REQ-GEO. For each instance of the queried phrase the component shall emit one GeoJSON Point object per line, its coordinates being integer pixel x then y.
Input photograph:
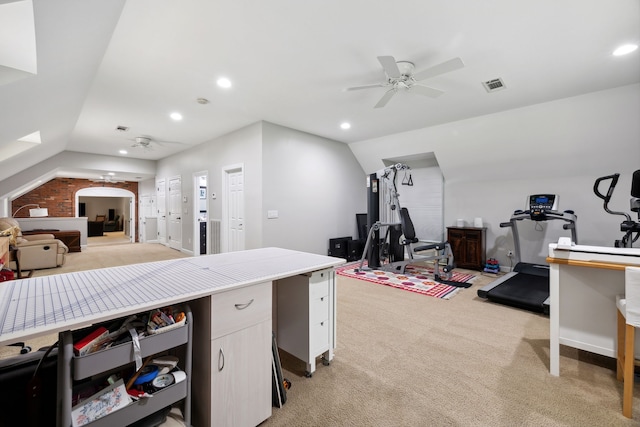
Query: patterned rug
{"type": "Point", "coordinates": [417, 279]}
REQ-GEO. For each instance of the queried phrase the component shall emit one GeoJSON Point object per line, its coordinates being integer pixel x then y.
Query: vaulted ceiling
{"type": "Point", "coordinates": [102, 65]}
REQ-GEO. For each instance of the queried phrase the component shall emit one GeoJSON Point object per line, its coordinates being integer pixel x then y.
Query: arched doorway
{"type": "Point", "coordinates": [128, 214]}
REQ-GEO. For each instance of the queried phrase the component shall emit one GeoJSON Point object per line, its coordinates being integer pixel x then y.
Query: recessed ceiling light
{"type": "Point", "coordinates": [123, 151]}
{"type": "Point", "coordinates": [176, 116]}
{"type": "Point", "coordinates": [625, 49]}
{"type": "Point", "coordinates": [224, 82]}
{"type": "Point", "coordinates": [345, 125]}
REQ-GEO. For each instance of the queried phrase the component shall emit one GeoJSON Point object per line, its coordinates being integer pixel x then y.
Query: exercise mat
{"type": "Point", "coordinates": [416, 278]}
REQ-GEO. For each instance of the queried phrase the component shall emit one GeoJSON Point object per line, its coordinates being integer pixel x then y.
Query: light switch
{"type": "Point", "coordinates": [272, 214]}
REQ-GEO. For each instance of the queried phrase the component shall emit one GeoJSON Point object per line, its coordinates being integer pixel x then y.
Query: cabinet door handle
{"type": "Point", "coordinates": [321, 298]}
{"type": "Point", "coordinates": [220, 360]}
{"type": "Point", "coordinates": [243, 306]}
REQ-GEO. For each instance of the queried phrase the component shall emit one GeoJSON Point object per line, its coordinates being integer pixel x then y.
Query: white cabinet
{"type": "Point", "coordinates": [233, 357]}
{"type": "Point", "coordinates": [306, 316]}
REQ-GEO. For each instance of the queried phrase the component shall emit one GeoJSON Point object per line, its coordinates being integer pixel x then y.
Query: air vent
{"type": "Point", "coordinates": [122, 128]}
{"type": "Point", "coordinates": [494, 85]}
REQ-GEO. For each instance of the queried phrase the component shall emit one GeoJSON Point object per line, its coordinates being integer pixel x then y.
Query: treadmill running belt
{"type": "Point", "coordinates": [523, 291]}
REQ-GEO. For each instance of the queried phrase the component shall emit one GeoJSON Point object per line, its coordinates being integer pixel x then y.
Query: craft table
{"type": "Point", "coordinates": [583, 283]}
{"type": "Point", "coordinates": [44, 305]}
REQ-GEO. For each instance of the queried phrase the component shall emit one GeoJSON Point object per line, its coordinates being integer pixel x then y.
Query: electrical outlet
{"type": "Point", "coordinates": [509, 253]}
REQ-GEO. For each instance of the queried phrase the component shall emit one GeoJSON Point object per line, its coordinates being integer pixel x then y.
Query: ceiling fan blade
{"type": "Point", "coordinates": [426, 91]}
{"type": "Point", "coordinates": [436, 70]}
{"type": "Point", "coordinates": [385, 98]}
{"type": "Point", "coordinates": [364, 87]}
{"type": "Point", "coordinates": [390, 66]}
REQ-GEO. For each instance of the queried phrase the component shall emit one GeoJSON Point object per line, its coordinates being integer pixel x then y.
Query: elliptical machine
{"type": "Point", "coordinates": [628, 226]}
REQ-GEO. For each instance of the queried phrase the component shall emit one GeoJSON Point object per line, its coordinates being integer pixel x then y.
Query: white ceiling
{"type": "Point", "coordinates": [103, 64]}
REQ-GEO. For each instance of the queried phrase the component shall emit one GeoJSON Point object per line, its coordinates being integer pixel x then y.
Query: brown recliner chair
{"type": "Point", "coordinates": [36, 251]}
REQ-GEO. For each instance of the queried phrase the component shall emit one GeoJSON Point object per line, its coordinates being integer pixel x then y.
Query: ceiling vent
{"type": "Point", "coordinates": [494, 85]}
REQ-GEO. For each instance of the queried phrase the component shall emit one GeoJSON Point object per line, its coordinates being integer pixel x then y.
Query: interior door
{"type": "Point", "coordinates": [161, 200]}
{"type": "Point", "coordinates": [235, 210]}
{"type": "Point", "coordinates": [175, 213]}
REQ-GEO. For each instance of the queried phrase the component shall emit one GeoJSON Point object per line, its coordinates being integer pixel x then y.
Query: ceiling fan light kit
{"type": "Point", "coordinates": [402, 75]}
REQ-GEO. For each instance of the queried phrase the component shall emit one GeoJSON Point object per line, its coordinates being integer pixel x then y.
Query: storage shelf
{"type": "Point", "coordinates": [95, 363]}
{"type": "Point", "coordinates": [73, 368]}
{"type": "Point", "coordinates": [143, 407]}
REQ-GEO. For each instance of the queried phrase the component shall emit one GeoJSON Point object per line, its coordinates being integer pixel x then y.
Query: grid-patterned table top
{"type": "Point", "coordinates": [41, 305]}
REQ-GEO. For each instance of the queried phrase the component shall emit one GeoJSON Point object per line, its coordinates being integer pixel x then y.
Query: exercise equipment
{"type": "Point", "coordinates": [388, 253]}
{"type": "Point", "coordinates": [628, 226]}
{"type": "Point", "coordinates": [527, 285]}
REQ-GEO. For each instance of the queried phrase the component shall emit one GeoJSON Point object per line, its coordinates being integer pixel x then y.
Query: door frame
{"type": "Point", "coordinates": [112, 192]}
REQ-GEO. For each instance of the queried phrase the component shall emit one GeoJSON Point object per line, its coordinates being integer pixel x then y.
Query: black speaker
{"type": "Point", "coordinates": [82, 209]}
{"type": "Point", "coordinates": [338, 247]}
{"type": "Point", "coordinates": [112, 214]}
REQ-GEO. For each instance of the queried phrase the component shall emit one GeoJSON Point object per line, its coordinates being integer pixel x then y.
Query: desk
{"type": "Point", "coordinates": [43, 305]}
{"type": "Point", "coordinates": [583, 284]}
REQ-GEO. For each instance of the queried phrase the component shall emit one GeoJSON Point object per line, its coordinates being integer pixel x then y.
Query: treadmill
{"type": "Point", "coordinates": [527, 285]}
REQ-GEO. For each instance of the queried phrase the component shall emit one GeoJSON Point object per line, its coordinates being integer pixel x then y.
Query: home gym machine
{"type": "Point", "coordinates": [527, 285]}
{"type": "Point", "coordinates": [388, 253]}
{"type": "Point", "coordinates": [628, 226]}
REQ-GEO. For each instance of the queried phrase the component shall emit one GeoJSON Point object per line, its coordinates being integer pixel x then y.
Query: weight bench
{"type": "Point", "coordinates": [442, 249]}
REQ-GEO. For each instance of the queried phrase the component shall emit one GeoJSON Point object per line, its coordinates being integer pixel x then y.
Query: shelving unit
{"type": "Point", "coordinates": [73, 368]}
{"type": "Point", "coordinates": [306, 317]}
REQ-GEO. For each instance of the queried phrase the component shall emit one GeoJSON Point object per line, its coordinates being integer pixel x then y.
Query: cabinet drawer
{"type": "Point", "coordinates": [319, 309]}
{"type": "Point", "coordinates": [319, 338]}
{"type": "Point", "coordinates": [319, 285]}
{"type": "Point", "coordinates": [239, 308]}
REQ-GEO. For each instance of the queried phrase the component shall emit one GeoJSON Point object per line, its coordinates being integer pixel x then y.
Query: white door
{"type": "Point", "coordinates": [235, 209]}
{"type": "Point", "coordinates": [161, 200]}
{"type": "Point", "coordinates": [175, 213]}
{"type": "Point", "coordinates": [147, 219]}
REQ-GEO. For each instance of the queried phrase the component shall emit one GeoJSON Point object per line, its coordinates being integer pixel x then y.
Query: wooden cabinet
{"type": "Point", "coordinates": [233, 357]}
{"type": "Point", "coordinates": [306, 317]}
{"type": "Point", "coordinates": [468, 246]}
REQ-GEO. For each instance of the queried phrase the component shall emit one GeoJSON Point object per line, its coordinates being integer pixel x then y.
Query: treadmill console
{"type": "Point", "coordinates": [539, 204]}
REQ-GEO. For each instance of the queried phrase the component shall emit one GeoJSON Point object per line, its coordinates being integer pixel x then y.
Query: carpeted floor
{"type": "Point", "coordinates": [406, 360]}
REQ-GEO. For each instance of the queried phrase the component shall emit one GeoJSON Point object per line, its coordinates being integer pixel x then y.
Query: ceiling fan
{"type": "Point", "coordinates": [402, 75]}
{"type": "Point", "coordinates": [147, 143]}
{"type": "Point", "coordinates": [107, 179]}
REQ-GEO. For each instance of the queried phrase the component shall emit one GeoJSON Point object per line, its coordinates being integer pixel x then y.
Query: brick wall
{"type": "Point", "coordinates": [59, 196]}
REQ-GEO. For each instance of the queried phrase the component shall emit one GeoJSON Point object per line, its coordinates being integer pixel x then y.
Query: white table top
{"type": "Point", "coordinates": [43, 305]}
{"type": "Point", "coordinates": [586, 253]}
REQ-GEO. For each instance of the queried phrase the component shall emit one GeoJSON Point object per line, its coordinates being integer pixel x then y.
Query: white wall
{"type": "Point", "coordinates": [242, 146]}
{"type": "Point", "coordinates": [491, 163]}
{"type": "Point", "coordinates": [315, 184]}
